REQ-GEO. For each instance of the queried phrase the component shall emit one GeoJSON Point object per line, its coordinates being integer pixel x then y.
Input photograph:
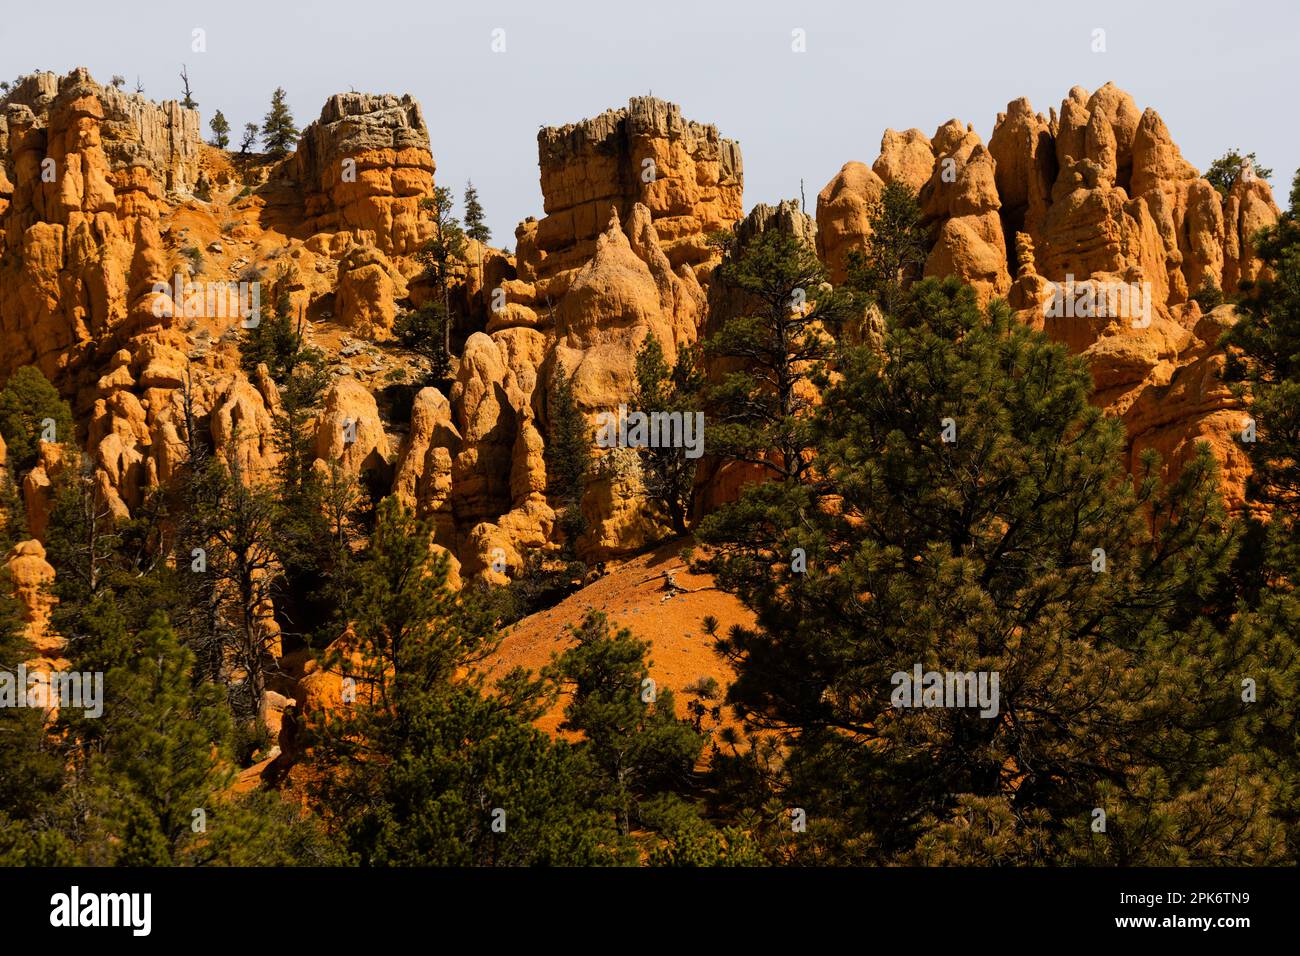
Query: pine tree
{"type": "Point", "coordinates": [197, 486]}
{"type": "Point", "coordinates": [318, 510]}
{"type": "Point", "coordinates": [1224, 171]}
{"type": "Point", "coordinates": [896, 250]}
{"type": "Point", "coordinates": [567, 455]}
{"type": "Point", "coordinates": [159, 763]}
{"type": "Point", "coordinates": [770, 353]}
{"type": "Point", "coordinates": [81, 542]}
{"type": "Point", "coordinates": [31, 771]}
{"type": "Point", "coordinates": [1263, 358]}
{"type": "Point", "coordinates": [1269, 338]}
{"type": "Point", "coordinates": [1209, 296]}
{"type": "Point", "coordinates": [303, 549]}
{"type": "Point", "coordinates": [425, 331]}
{"type": "Point", "coordinates": [346, 513]}
{"type": "Point", "coordinates": [279, 135]}
{"type": "Point", "coordinates": [302, 376]}
{"type": "Point", "coordinates": [187, 99]}
{"type": "Point", "coordinates": [970, 513]}
{"type": "Point", "coordinates": [220, 130]}
{"type": "Point", "coordinates": [31, 411]}
{"type": "Point", "coordinates": [279, 342]}
{"type": "Point", "coordinates": [241, 522]}
{"type": "Point", "coordinates": [667, 472]}
{"type": "Point", "coordinates": [157, 782]}
{"type": "Point", "coordinates": [686, 838]}
{"type": "Point", "coordinates": [464, 781]}
{"type": "Point", "coordinates": [13, 512]}
{"type": "Point", "coordinates": [441, 256]}
{"type": "Point", "coordinates": [630, 729]}
{"type": "Point", "coordinates": [475, 227]}
{"type": "Point", "coordinates": [406, 623]}
{"type": "Point", "coordinates": [251, 131]}
{"type": "Point", "coordinates": [422, 769]}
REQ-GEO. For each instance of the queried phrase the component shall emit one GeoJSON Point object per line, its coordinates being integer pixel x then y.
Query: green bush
{"type": "Point", "coordinates": [31, 409]}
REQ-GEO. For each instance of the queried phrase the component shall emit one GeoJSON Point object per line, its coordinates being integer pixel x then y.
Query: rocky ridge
{"type": "Point", "coordinates": [1098, 191]}
{"type": "Point", "coordinates": [1096, 197]}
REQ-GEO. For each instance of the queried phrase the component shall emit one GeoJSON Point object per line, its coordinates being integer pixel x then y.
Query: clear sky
{"type": "Point", "coordinates": [1221, 74]}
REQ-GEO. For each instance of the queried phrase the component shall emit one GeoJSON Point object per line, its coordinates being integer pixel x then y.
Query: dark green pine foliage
{"type": "Point", "coordinates": [445, 250]}
{"type": "Point", "coordinates": [220, 127]}
{"type": "Point", "coordinates": [567, 455]}
{"type": "Point", "coordinates": [426, 330]}
{"type": "Point", "coordinates": [278, 341]}
{"type": "Point", "coordinates": [424, 769]}
{"type": "Point", "coordinates": [333, 516]}
{"type": "Point", "coordinates": [313, 507]}
{"type": "Point", "coordinates": [1209, 296]}
{"type": "Point", "coordinates": [82, 542]}
{"type": "Point", "coordinates": [1225, 171]}
{"type": "Point", "coordinates": [668, 473]}
{"type": "Point", "coordinates": [158, 765]}
{"type": "Point", "coordinates": [1265, 358]}
{"type": "Point", "coordinates": [1269, 339]}
{"type": "Point", "coordinates": [895, 252]}
{"type": "Point", "coordinates": [242, 519]}
{"type": "Point", "coordinates": [765, 357]}
{"type": "Point", "coordinates": [251, 131]}
{"type": "Point", "coordinates": [475, 226]}
{"type": "Point", "coordinates": [30, 410]}
{"type": "Point", "coordinates": [13, 512]}
{"type": "Point", "coordinates": [162, 747]}
{"type": "Point", "coordinates": [1119, 687]}
{"type": "Point", "coordinates": [630, 729]}
{"type": "Point", "coordinates": [305, 544]}
{"type": "Point", "coordinates": [156, 781]}
{"type": "Point", "coordinates": [31, 768]}
{"type": "Point", "coordinates": [279, 134]}
{"type": "Point", "coordinates": [686, 838]}
{"type": "Point", "coordinates": [763, 366]}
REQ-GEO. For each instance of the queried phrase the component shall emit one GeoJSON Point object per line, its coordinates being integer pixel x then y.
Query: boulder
{"type": "Point", "coordinates": [349, 432]}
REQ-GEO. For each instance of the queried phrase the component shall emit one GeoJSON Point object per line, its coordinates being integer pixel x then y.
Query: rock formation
{"type": "Point", "coordinates": [622, 253]}
{"type": "Point", "coordinates": [1094, 202]}
{"type": "Point", "coordinates": [90, 168]}
{"type": "Point", "coordinates": [687, 177]}
{"type": "Point", "coordinates": [363, 167]}
{"type": "Point", "coordinates": [118, 223]}
{"type": "Point", "coordinates": [844, 210]}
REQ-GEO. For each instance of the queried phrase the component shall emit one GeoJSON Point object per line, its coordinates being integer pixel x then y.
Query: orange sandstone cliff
{"type": "Point", "coordinates": [106, 198]}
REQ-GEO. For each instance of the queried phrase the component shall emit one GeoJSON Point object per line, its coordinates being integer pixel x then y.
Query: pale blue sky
{"type": "Point", "coordinates": [1221, 74]}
